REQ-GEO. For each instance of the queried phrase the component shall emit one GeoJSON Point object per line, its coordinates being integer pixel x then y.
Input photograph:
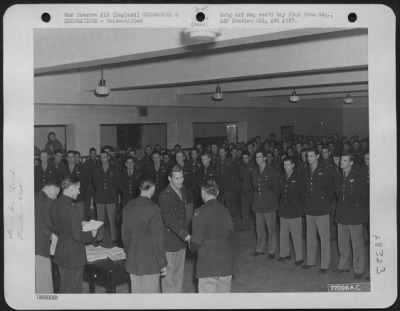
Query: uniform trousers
{"type": "Point", "coordinates": [189, 216]}
{"type": "Point", "coordinates": [268, 219]}
{"type": "Point", "coordinates": [71, 279]}
{"type": "Point", "coordinates": [172, 282]}
{"type": "Point", "coordinates": [230, 200]}
{"type": "Point", "coordinates": [320, 225]}
{"type": "Point", "coordinates": [111, 210]}
{"type": "Point", "coordinates": [216, 284]}
{"type": "Point", "coordinates": [149, 283]}
{"type": "Point", "coordinates": [245, 206]}
{"type": "Point", "coordinates": [291, 227]}
{"type": "Point", "coordinates": [43, 276]}
{"type": "Point", "coordinates": [351, 234]}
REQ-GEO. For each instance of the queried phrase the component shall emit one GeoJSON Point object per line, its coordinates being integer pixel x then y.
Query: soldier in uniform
{"type": "Point", "coordinates": [172, 202]}
{"type": "Point", "coordinates": [265, 204]}
{"type": "Point", "coordinates": [44, 172]}
{"type": "Point", "coordinates": [246, 190]}
{"type": "Point", "coordinates": [70, 255]}
{"type": "Point", "coordinates": [52, 144]}
{"type": "Point", "coordinates": [229, 182]}
{"type": "Point", "coordinates": [319, 194]}
{"type": "Point", "coordinates": [130, 178]}
{"type": "Point", "coordinates": [213, 239]}
{"type": "Point", "coordinates": [194, 165]}
{"type": "Point", "coordinates": [351, 190]}
{"type": "Point", "coordinates": [106, 185]}
{"type": "Point", "coordinates": [143, 239]}
{"type": "Point", "coordinates": [291, 211]}
{"type": "Point", "coordinates": [79, 172]}
{"type": "Point", "coordinates": [206, 171]}
{"type": "Point", "coordinates": [188, 182]}
{"type": "Point", "coordinates": [43, 230]}
{"type": "Point", "coordinates": [157, 171]}
{"type": "Point", "coordinates": [214, 154]}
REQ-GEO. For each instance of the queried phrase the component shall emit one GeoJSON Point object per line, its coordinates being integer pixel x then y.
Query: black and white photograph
{"type": "Point", "coordinates": [202, 149]}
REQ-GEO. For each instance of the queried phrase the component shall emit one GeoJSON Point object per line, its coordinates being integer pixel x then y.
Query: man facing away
{"type": "Point", "coordinates": [143, 239]}
{"type": "Point", "coordinates": [43, 230]}
{"type": "Point", "coordinates": [172, 202]}
{"type": "Point", "coordinates": [212, 237]}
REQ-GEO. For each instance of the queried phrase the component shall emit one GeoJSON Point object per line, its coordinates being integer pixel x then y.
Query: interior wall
{"type": "Point", "coordinates": [209, 129]}
{"type": "Point", "coordinates": [179, 121]}
{"type": "Point", "coordinates": [108, 135]}
{"type": "Point", "coordinates": [355, 122]}
{"type": "Point", "coordinates": [153, 134]}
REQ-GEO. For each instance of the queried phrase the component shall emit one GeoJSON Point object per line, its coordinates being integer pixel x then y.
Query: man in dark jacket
{"type": "Point", "coordinates": [319, 191]}
{"type": "Point", "coordinates": [70, 254]}
{"type": "Point", "coordinates": [43, 230]}
{"type": "Point", "coordinates": [246, 189]}
{"type": "Point", "coordinates": [143, 239]}
{"type": "Point", "coordinates": [291, 210]}
{"type": "Point", "coordinates": [44, 172]}
{"type": "Point", "coordinates": [172, 202]}
{"type": "Point", "coordinates": [265, 182]}
{"type": "Point", "coordinates": [130, 178]}
{"type": "Point", "coordinates": [52, 144]}
{"type": "Point", "coordinates": [157, 171]}
{"type": "Point", "coordinates": [212, 237]}
{"type": "Point", "coordinates": [106, 184]}
{"type": "Point", "coordinates": [352, 192]}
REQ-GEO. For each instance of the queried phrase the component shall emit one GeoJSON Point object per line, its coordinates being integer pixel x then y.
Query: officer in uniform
{"type": "Point", "coordinates": [79, 172]}
{"type": "Point", "coordinates": [172, 202]}
{"type": "Point", "coordinates": [246, 189]}
{"type": "Point", "coordinates": [143, 239]}
{"type": "Point", "coordinates": [214, 154]}
{"type": "Point", "coordinates": [351, 190]}
{"type": "Point", "coordinates": [319, 188]}
{"type": "Point", "coordinates": [291, 211]}
{"type": "Point", "coordinates": [44, 172]}
{"type": "Point", "coordinates": [194, 165]}
{"type": "Point", "coordinates": [106, 185]}
{"type": "Point", "coordinates": [213, 237]}
{"type": "Point", "coordinates": [130, 179]}
{"type": "Point", "coordinates": [157, 171]}
{"type": "Point", "coordinates": [229, 182]}
{"type": "Point", "coordinates": [265, 204]}
{"type": "Point", "coordinates": [205, 172]}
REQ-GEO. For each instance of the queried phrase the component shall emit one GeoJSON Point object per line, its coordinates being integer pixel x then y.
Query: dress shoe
{"type": "Point", "coordinates": [298, 262]}
{"type": "Point", "coordinates": [323, 270]}
{"type": "Point", "coordinates": [255, 254]}
{"type": "Point", "coordinates": [283, 258]}
{"type": "Point", "coordinates": [341, 270]}
{"type": "Point", "coordinates": [308, 266]}
{"type": "Point", "coordinates": [357, 275]}
{"type": "Point", "coordinates": [271, 256]}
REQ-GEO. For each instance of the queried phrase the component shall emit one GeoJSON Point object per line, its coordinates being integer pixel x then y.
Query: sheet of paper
{"type": "Point", "coordinates": [91, 225]}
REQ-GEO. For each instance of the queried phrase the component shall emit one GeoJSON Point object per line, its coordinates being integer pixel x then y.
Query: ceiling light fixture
{"type": "Point", "coordinates": [201, 34]}
{"type": "Point", "coordinates": [348, 99]}
{"type": "Point", "coordinates": [294, 98]}
{"type": "Point", "coordinates": [218, 95]}
{"type": "Point", "coordinates": [102, 90]}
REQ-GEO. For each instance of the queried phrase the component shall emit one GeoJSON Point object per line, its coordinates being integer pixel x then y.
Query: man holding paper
{"type": "Point", "coordinates": [70, 254]}
{"type": "Point", "coordinates": [143, 238]}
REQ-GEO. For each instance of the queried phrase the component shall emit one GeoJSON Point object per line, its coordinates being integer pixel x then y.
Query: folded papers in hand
{"type": "Point", "coordinates": [91, 225]}
{"type": "Point", "coordinates": [95, 253]}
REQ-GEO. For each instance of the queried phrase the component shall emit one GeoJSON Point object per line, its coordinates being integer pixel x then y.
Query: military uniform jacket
{"type": "Point", "coordinates": [173, 212]}
{"type": "Point", "coordinates": [143, 237]}
{"type": "Point", "coordinates": [291, 201]}
{"type": "Point", "coordinates": [319, 192]}
{"type": "Point", "coordinates": [228, 175]}
{"type": "Point", "coordinates": [364, 173]}
{"type": "Point", "coordinates": [189, 175]}
{"type": "Point", "coordinates": [80, 172]}
{"type": "Point", "coordinates": [266, 189]}
{"type": "Point", "coordinates": [212, 236]}
{"type": "Point", "coordinates": [43, 226]}
{"type": "Point", "coordinates": [43, 176]}
{"type": "Point", "coordinates": [351, 194]}
{"type": "Point", "coordinates": [129, 185]}
{"type": "Point", "coordinates": [246, 186]}
{"type": "Point", "coordinates": [160, 177]}
{"type": "Point", "coordinates": [105, 185]}
{"type": "Point", "coordinates": [67, 224]}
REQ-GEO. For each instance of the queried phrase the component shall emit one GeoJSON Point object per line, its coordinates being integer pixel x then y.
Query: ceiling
{"type": "Point", "coordinates": [161, 67]}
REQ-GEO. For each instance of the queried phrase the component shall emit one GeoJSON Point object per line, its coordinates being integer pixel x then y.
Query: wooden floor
{"type": "Point", "coordinates": [260, 274]}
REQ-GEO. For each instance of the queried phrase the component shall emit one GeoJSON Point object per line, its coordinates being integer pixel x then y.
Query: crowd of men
{"type": "Point", "coordinates": [320, 180]}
